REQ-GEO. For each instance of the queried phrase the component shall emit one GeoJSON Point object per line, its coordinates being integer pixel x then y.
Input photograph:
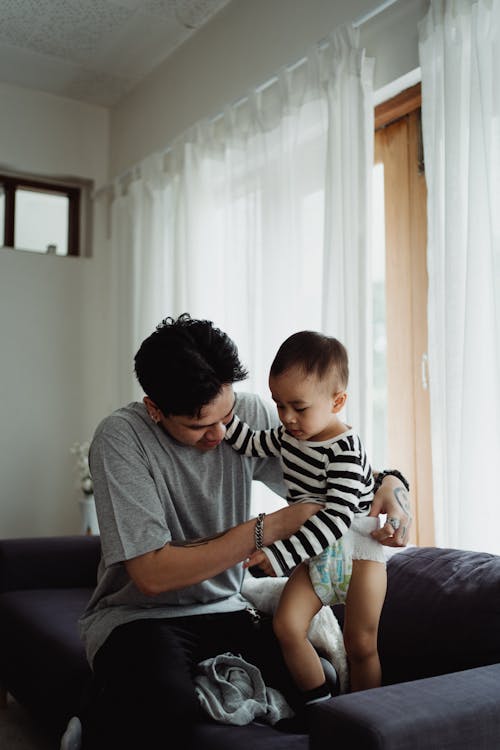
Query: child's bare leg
{"type": "Point", "coordinates": [364, 602]}
{"type": "Point", "coordinates": [297, 606]}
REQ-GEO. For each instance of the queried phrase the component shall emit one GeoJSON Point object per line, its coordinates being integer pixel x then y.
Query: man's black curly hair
{"type": "Point", "coordinates": [184, 363]}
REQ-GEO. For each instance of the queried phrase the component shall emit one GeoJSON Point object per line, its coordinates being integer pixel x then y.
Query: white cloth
{"type": "Point", "coordinates": [324, 632]}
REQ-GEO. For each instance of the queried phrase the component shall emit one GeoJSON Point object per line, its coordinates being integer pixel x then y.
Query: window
{"type": "Point", "coordinates": [379, 439]}
{"type": "Point", "coordinates": [43, 216]}
{"type": "Point", "coordinates": [398, 157]}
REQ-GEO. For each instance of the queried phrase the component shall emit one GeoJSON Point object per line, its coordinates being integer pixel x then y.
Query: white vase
{"type": "Point", "coordinates": [89, 517]}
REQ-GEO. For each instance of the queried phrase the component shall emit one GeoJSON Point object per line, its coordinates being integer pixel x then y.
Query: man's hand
{"type": "Point", "coordinates": [259, 559]}
{"type": "Point", "coordinates": [393, 499]}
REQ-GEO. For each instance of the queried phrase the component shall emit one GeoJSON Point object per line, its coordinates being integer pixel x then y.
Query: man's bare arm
{"type": "Point", "coordinates": [185, 563]}
{"type": "Point", "coordinates": [393, 499]}
{"type": "Point", "coordinates": [197, 542]}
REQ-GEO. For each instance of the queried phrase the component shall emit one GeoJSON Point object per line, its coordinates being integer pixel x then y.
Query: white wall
{"type": "Point", "coordinates": [50, 313]}
{"type": "Point", "coordinates": [242, 47]}
{"type": "Point", "coordinates": [56, 377]}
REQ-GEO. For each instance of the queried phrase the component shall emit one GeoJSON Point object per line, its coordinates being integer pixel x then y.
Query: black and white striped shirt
{"type": "Point", "coordinates": [335, 473]}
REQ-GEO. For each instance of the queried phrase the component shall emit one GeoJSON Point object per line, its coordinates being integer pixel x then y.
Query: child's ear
{"type": "Point", "coordinates": [339, 400]}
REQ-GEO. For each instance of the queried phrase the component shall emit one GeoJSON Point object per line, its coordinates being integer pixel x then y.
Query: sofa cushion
{"type": "Point", "coordinates": [441, 613]}
{"type": "Point", "coordinates": [49, 562]}
{"type": "Point", "coordinates": [249, 737]}
{"type": "Point", "coordinates": [42, 659]}
{"type": "Point", "coordinates": [458, 711]}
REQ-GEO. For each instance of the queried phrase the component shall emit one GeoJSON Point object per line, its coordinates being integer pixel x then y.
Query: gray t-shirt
{"type": "Point", "coordinates": [150, 489]}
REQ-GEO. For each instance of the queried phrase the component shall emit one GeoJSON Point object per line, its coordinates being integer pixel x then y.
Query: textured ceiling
{"type": "Point", "coordinates": [93, 50]}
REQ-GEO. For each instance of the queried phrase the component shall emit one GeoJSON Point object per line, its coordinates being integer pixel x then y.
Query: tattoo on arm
{"type": "Point", "coordinates": [199, 542]}
{"type": "Point", "coordinates": [403, 501]}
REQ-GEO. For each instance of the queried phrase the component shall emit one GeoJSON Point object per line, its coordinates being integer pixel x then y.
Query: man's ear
{"type": "Point", "coordinates": [339, 400]}
{"type": "Point", "coordinates": [153, 411]}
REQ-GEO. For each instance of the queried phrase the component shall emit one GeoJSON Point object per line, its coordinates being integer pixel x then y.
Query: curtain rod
{"type": "Point", "coordinates": [325, 41]}
{"type": "Point", "coordinates": [322, 43]}
{"type": "Point", "coordinates": [372, 13]}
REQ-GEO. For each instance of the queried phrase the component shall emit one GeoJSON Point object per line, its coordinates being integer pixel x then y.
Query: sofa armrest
{"type": "Point", "coordinates": [457, 711]}
{"type": "Point", "coordinates": [49, 562]}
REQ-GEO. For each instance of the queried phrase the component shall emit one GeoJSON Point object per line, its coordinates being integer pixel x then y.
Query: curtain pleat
{"type": "Point", "coordinates": [258, 220]}
{"type": "Point", "coordinates": [459, 44]}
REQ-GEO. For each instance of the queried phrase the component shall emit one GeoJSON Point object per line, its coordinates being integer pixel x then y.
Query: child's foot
{"type": "Point", "coordinates": [299, 724]}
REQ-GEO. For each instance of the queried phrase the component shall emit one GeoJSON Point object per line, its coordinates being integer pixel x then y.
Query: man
{"type": "Point", "coordinates": [173, 503]}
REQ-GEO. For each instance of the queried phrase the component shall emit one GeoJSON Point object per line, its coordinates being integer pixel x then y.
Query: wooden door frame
{"type": "Point", "coordinates": [398, 146]}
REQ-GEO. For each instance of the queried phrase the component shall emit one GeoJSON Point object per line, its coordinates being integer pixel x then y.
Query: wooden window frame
{"type": "Point", "coordinates": [73, 193]}
{"type": "Point", "coordinates": [406, 301]}
{"type": "Point", "coordinates": [398, 106]}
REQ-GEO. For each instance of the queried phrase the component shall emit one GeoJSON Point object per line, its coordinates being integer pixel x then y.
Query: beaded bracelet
{"type": "Point", "coordinates": [392, 473]}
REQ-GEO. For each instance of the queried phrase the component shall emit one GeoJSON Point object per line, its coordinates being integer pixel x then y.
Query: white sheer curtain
{"type": "Point", "coordinates": [460, 61]}
{"type": "Point", "coordinates": [257, 220]}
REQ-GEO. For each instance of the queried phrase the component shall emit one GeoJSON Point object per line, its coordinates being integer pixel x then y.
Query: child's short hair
{"type": "Point", "coordinates": [316, 354]}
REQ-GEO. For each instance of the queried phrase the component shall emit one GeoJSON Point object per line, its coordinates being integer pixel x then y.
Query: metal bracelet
{"type": "Point", "coordinates": [259, 531]}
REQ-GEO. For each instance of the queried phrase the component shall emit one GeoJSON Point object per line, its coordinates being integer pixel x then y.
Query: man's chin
{"type": "Point", "coordinates": [206, 446]}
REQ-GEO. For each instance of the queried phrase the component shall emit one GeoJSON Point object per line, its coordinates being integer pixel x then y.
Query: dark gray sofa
{"type": "Point", "coordinates": [439, 646]}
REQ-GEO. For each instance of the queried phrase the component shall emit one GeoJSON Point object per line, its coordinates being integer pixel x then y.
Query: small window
{"type": "Point", "coordinates": [42, 216]}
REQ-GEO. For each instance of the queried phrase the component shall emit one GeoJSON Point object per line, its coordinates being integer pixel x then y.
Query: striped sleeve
{"type": "Point", "coordinates": [349, 491]}
{"type": "Point", "coordinates": [256, 443]}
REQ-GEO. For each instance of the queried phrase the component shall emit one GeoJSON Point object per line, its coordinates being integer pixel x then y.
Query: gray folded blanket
{"type": "Point", "coordinates": [232, 691]}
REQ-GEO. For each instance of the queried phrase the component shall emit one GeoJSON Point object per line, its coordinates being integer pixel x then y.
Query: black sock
{"type": "Point", "coordinates": [317, 694]}
{"type": "Point", "coordinates": [299, 724]}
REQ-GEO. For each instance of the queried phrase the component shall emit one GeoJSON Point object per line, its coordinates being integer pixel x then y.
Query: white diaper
{"type": "Point", "coordinates": [331, 570]}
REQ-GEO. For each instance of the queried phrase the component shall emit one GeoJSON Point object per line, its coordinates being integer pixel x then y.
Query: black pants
{"type": "Point", "coordinates": [143, 677]}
